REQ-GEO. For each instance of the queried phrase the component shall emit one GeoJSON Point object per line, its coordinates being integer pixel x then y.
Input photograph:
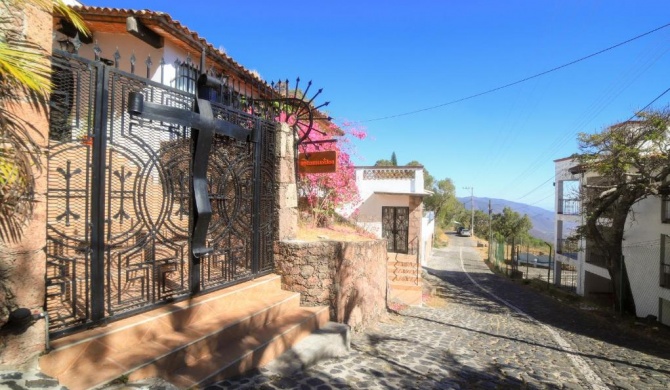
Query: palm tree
{"type": "Point", "coordinates": [24, 76]}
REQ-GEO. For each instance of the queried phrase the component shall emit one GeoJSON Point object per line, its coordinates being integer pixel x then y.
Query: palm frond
{"type": "Point", "coordinates": [21, 65]}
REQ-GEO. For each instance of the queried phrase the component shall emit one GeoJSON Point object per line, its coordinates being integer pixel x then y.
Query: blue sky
{"type": "Point", "coordinates": [377, 59]}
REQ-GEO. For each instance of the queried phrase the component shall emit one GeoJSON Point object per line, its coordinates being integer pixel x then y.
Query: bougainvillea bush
{"type": "Point", "coordinates": [321, 194]}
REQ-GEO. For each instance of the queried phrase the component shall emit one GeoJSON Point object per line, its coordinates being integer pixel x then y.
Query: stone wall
{"type": "Point", "coordinates": [349, 277]}
{"type": "Point", "coordinates": [23, 262]}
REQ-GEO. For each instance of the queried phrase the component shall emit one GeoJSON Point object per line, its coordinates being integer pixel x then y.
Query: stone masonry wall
{"type": "Point", "coordinates": [415, 219]}
{"type": "Point", "coordinates": [349, 277]}
{"type": "Point", "coordinates": [23, 263]}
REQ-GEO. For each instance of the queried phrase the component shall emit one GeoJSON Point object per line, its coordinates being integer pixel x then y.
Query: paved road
{"type": "Point", "coordinates": [487, 332]}
{"type": "Point", "coordinates": [484, 332]}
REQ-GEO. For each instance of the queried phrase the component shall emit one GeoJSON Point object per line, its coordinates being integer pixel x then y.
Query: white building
{"type": "Point", "coordinates": [391, 207]}
{"type": "Point", "coordinates": [646, 246]}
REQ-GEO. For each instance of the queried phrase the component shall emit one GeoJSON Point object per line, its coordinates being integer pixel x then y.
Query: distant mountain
{"type": "Point", "coordinates": [542, 219]}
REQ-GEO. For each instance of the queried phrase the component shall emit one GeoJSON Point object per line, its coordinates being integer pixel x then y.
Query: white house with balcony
{"type": "Point", "coordinates": [645, 248]}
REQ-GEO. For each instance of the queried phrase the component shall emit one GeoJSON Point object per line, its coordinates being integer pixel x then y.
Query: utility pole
{"type": "Point", "coordinates": [472, 208]}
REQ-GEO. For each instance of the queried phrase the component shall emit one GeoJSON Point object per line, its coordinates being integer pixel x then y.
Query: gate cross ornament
{"type": "Point", "coordinates": [203, 127]}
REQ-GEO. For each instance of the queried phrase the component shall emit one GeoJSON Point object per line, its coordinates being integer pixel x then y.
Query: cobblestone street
{"type": "Point", "coordinates": [486, 332]}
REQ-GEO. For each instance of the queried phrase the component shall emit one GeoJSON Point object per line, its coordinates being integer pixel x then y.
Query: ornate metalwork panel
{"type": "Point", "coordinates": [146, 199]}
{"type": "Point", "coordinates": [119, 199]}
{"type": "Point", "coordinates": [69, 192]}
{"type": "Point", "coordinates": [395, 228]}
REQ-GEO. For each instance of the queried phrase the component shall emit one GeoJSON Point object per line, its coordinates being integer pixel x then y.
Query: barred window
{"type": "Point", "coordinates": [665, 261]}
{"type": "Point", "coordinates": [187, 77]}
{"type": "Point", "coordinates": [665, 209]}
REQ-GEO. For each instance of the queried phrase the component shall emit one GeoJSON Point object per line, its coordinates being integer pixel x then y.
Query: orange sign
{"type": "Point", "coordinates": [318, 162]}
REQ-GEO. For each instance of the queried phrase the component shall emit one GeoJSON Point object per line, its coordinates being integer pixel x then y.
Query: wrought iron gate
{"type": "Point", "coordinates": [395, 228]}
{"type": "Point", "coordinates": [119, 199]}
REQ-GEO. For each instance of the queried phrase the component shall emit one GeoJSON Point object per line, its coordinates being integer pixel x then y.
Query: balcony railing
{"type": "Point", "coordinates": [665, 275]}
{"type": "Point", "coordinates": [567, 247]}
{"type": "Point", "coordinates": [568, 206]}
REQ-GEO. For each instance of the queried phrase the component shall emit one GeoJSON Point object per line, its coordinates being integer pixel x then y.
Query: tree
{"type": "Point", "coordinates": [394, 160]}
{"type": "Point", "coordinates": [481, 228]}
{"type": "Point", "coordinates": [443, 193]}
{"type": "Point", "coordinates": [383, 163]}
{"type": "Point", "coordinates": [632, 161]}
{"type": "Point", "coordinates": [510, 224]}
{"type": "Point", "coordinates": [24, 78]}
{"type": "Point", "coordinates": [428, 179]}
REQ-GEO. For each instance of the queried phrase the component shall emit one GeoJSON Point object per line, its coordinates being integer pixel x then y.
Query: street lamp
{"type": "Point", "coordinates": [472, 208]}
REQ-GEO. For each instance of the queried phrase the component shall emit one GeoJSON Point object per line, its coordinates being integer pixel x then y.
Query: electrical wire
{"type": "Point", "coordinates": [536, 188]}
{"type": "Point", "coordinates": [650, 103]}
{"type": "Point", "coordinates": [519, 81]}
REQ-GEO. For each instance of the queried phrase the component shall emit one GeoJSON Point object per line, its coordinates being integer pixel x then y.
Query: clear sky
{"type": "Point", "coordinates": [377, 59]}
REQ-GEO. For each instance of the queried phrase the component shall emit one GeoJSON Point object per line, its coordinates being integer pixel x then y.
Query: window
{"type": "Point", "coordinates": [665, 209]}
{"type": "Point", "coordinates": [187, 77]}
{"type": "Point", "coordinates": [665, 261]}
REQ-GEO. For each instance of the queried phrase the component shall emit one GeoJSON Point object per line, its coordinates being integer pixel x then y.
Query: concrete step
{"type": "Point", "coordinates": [236, 356]}
{"type": "Point", "coordinates": [402, 278]}
{"type": "Point", "coordinates": [405, 285]}
{"type": "Point", "coordinates": [402, 264]}
{"type": "Point", "coordinates": [333, 340]}
{"type": "Point", "coordinates": [161, 342]}
{"type": "Point", "coordinates": [397, 271]}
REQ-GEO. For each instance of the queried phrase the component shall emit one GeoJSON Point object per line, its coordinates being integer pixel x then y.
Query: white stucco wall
{"type": "Point", "coordinates": [367, 187]}
{"type": "Point", "coordinates": [427, 232]}
{"type": "Point", "coordinates": [642, 252]}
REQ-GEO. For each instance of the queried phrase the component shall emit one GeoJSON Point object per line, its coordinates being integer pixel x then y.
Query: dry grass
{"type": "Point", "coordinates": [482, 247]}
{"type": "Point", "coordinates": [336, 232]}
{"type": "Point", "coordinates": [441, 238]}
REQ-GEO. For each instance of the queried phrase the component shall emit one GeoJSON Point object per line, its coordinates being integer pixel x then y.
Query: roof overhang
{"type": "Point", "coordinates": [419, 194]}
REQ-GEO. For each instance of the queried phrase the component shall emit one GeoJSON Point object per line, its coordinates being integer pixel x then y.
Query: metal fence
{"type": "Point", "coordinates": [525, 262]}
{"type": "Point", "coordinates": [119, 199]}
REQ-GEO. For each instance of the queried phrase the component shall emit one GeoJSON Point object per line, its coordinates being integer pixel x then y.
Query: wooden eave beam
{"type": "Point", "coordinates": [71, 31]}
{"type": "Point", "coordinates": [145, 34]}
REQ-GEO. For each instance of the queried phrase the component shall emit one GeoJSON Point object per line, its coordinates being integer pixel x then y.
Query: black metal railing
{"type": "Point", "coordinates": [567, 247]}
{"type": "Point", "coordinates": [568, 206]}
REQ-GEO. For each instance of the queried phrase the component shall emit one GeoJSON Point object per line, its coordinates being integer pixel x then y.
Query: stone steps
{"type": "Point", "coordinates": [190, 342]}
{"type": "Point", "coordinates": [404, 279]}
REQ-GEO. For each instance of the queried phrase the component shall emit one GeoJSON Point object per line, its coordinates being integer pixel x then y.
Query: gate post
{"type": "Point", "coordinates": [23, 259]}
{"type": "Point", "coordinates": [98, 224]}
{"type": "Point", "coordinates": [287, 194]}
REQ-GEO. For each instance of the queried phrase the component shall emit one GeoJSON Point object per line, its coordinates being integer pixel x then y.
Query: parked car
{"type": "Point", "coordinates": [458, 229]}
{"type": "Point", "coordinates": [465, 233]}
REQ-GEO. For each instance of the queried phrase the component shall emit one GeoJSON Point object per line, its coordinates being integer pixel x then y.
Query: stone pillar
{"type": "Point", "coordinates": [23, 263]}
{"type": "Point", "coordinates": [415, 216]}
{"type": "Point", "coordinates": [287, 196]}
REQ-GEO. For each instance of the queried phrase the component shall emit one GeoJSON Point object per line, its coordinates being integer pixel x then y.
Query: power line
{"type": "Point", "coordinates": [536, 188]}
{"type": "Point", "coordinates": [650, 103]}
{"type": "Point", "coordinates": [519, 81]}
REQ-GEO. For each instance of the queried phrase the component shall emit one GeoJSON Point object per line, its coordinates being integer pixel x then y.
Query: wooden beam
{"type": "Point", "coordinates": [139, 30]}
{"type": "Point", "coordinates": [71, 31]}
